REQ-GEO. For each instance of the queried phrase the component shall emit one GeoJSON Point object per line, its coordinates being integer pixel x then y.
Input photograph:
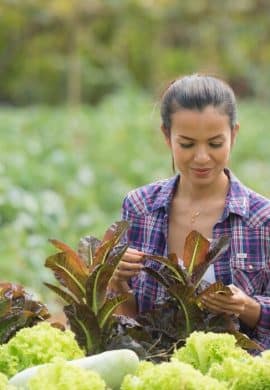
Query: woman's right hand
{"type": "Point", "coordinates": [130, 265]}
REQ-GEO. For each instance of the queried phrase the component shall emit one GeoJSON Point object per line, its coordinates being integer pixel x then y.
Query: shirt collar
{"type": "Point", "coordinates": [237, 200]}
{"type": "Point", "coordinates": [165, 195]}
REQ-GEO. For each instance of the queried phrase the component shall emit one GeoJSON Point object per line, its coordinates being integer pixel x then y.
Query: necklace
{"type": "Point", "coordinates": [194, 216]}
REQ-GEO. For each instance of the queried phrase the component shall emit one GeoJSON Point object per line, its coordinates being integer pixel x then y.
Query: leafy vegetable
{"type": "Point", "coordinates": [183, 312]}
{"type": "Point", "coordinates": [112, 366]}
{"type": "Point", "coordinates": [169, 376]}
{"type": "Point", "coordinates": [63, 376]}
{"type": "Point", "coordinates": [18, 310]}
{"type": "Point", "coordinates": [241, 374]}
{"type": "Point", "coordinates": [204, 349]}
{"type": "Point", "coordinates": [4, 383]}
{"type": "Point", "coordinates": [8, 362]}
{"type": "Point", "coordinates": [84, 278]}
{"type": "Point", "coordinates": [182, 284]}
{"type": "Point", "coordinates": [36, 345]}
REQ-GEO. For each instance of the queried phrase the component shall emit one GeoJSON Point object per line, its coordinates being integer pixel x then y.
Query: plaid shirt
{"type": "Point", "coordinates": [246, 264]}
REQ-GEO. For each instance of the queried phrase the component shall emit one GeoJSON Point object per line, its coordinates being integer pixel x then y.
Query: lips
{"type": "Point", "coordinates": [201, 171]}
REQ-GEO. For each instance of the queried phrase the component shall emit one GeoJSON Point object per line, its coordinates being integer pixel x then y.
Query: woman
{"type": "Point", "coordinates": [200, 127]}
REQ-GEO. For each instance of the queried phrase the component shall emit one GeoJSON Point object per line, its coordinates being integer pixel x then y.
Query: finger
{"type": "Point", "coordinates": [125, 265]}
{"type": "Point", "coordinates": [125, 274]}
{"type": "Point", "coordinates": [132, 257]}
{"type": "Point", "coordinates": [221, 298]}
{"type": "Point", "coordinates": [218, 307]}
{"type": "Point", "coordinates": [135, 251]}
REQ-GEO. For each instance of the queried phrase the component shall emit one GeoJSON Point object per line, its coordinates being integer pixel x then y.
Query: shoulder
{"type": "Point", "coordinates": [259, 209]}
{"type": "Point", "coordinates": [254, 207]}
{"type": "Point", "coordinates": [146, 199]}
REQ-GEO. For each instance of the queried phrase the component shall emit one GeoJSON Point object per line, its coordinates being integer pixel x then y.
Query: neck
{"type": "Point", "coordinates": [219, 188]}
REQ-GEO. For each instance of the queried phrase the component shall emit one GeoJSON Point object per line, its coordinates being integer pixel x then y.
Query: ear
{"type": "Point", "coordinates": [166, 135]}
{"type": "Point", "coordinates": [235, 131]}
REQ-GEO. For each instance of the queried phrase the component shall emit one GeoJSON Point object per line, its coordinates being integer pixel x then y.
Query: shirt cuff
{"type": "Point", "coordinates": [263, 324]}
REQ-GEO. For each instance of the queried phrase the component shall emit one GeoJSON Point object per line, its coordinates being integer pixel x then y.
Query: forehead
{"type": "Point", "coordinates": [210, 119]}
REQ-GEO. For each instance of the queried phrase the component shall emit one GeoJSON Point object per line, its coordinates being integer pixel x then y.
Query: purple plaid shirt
{"type": "Point", "coordinates": [246, 264]}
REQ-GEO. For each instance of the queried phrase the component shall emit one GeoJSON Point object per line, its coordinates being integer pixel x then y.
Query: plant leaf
{"type": "Point", "coordinates": [69, 273]}
{"type": "Point", "coordinates": [11, 323]}
{"type": "Point", "coordinates": [175, 269]}
{"type": "Point", "coordinates": [5, 306]}
{"type": "Point", "coordinates": [245, 342]}
{"type": "Point", "coordinates": [217, 287]}
{"type": "Point", "coordinates": [109, 242]}
{"type": "Point", "coordinates": [18, 310]}
{"type": "Point", "coordinates": [11, 290]}
{"type": "Point", "coordinates": [195, 250]}
{"type": "Point", "coordinates": [87, 248]}
{"type": "Point", "coordinates": [108, 309]}
{"type": "Point", "coordinates": [96, 286]}
{"type": "Point", "coordinates": [83, 323]}
{"type": "Point", "coordinates": [73, 257]}
{"type": "Point", "coordinates": [115, 232]}
{"type": "Point", "coordinates": [158, 276]}
{"type": "Point", "coordinates": [101, 254]}
{"type": "Point", "coordinates": [218, 246]}
{"type": "Point", "coordinates": [116, 255]}
{"type": "Point", "coordinates": [68, 298]}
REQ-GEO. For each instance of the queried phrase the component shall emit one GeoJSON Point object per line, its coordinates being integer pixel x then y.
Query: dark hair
{"type": "Point", "coordinates": [196, 92]}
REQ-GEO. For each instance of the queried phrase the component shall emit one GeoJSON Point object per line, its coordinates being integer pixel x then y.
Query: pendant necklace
{"type": "Point", "coordinates": [194, 216]}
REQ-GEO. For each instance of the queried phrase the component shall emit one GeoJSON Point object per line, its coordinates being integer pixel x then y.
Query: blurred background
{"type": "Point", "coordinates": [80, 82]}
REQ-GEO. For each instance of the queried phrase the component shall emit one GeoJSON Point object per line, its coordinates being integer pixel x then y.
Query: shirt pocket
{"type": "Point", "coordinates": [248, 274]}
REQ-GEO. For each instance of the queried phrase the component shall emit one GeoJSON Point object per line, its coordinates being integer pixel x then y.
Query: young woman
{"type": "Point", "coordinates": [200, 127]}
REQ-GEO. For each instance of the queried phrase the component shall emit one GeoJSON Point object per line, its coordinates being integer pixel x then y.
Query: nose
{"type": "Point", "coordinates": [201, 155]}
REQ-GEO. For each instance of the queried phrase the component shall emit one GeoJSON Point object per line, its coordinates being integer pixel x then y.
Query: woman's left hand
{"type": "Point", "coordinates": [229, 304]}
{"type": "Point", "coordinates": [239, 304]}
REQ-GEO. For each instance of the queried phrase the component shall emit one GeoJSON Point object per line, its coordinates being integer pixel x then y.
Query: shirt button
{"type": "Point", "coordinates": [250, 266]}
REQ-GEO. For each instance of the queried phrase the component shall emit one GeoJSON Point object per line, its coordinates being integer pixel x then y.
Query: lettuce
{"type": "Point", "coordinates": [63, 376]}
{"type": "Point", "coordinates": [37, 345]}
{"type": "Point", "coordinates": [170, 376]}
{"type": "Point", "coordinates": [8, 362]}
{"type": "Point", "coordinates": [204, 349]}
{"type": "Point", "coordinates": [4, 383]}
{"type": "Point", "coordinates": [240, 375]}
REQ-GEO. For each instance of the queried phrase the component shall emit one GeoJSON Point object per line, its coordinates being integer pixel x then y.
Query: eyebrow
{"type": "Point", "coordinates": [192, 139]}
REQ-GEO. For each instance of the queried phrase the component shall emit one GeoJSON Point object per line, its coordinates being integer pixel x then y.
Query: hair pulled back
{"type": "Point", "coordinates": [196, 92]}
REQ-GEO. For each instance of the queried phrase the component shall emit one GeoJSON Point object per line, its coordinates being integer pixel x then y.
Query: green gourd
{"type": "Point", "coordinates": [112, 366]}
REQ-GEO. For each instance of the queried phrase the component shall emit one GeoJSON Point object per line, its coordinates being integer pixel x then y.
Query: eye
{"type": "Point", "coordinates": [216, 144]}
{"type": "Point", "coordinates": [186, 146]}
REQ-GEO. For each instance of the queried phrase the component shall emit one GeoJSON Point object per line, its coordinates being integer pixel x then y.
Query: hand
{"type": "Point", "coordinates": [221, 303]}
{"type": "Point", "coordinates": [239, 304]}
{"type": "Point", "coordinates": [130, 265]}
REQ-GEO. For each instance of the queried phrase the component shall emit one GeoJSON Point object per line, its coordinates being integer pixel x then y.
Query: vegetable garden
{"type": "Point", "coordinates": [177, 345]}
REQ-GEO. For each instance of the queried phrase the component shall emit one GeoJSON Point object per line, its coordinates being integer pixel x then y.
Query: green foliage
{"type": "Point", "coordinates": [61, 375]}
{"type": "Point", "coordinates": [18, 309]}
{"type": "Point", "coordinates": [64, 173]}
{"type": "Point", "coordinates": [37, 345]}
{"type": "Point", "coordinates": [56, 50]}
{"type": "Point", "coordinates": [204, 349]}
{"type": "Point", "coordinates": [182, 285]}
{"type": "Point", "coordinates": [84, 283]}
{"type": "Point", "coordinates": [169, 376]}
{"type": "Point", "coordinates": [243, 375]}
